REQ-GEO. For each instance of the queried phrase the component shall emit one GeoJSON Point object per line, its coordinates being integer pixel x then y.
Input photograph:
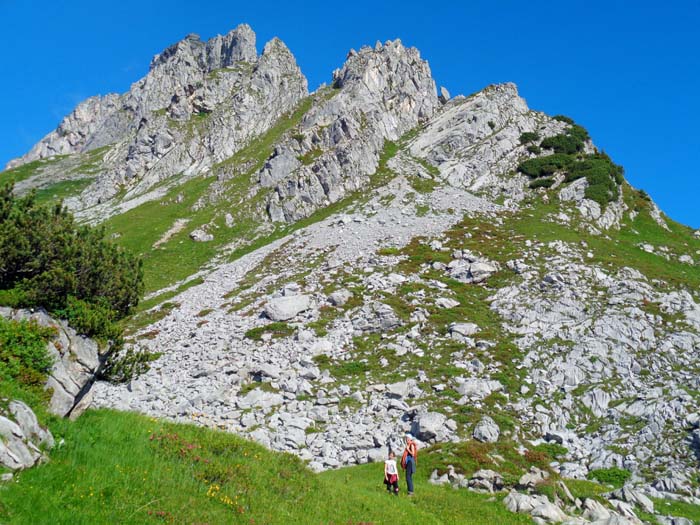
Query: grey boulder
{"type": "Point", "coordinates": [20, 439]}
{"type": "Point", "coordinates": [287, 307]}
{"type": "Point", "coordinates": [429, 426]}
{"type": "Point", "coordinates": [486, 430]}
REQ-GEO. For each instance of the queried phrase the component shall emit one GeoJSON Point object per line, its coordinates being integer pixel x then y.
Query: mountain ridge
{"type": "Point", "coordinates": [327, 271]}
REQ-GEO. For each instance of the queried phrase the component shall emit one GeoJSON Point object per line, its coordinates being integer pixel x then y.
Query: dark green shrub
{"type": "Point", "coordinates": [529, 136]}
{"type": "Point", "coordinates": [123, 366]}
{"type": "Point", "coordinates": [48, 260]}
{"type": "Point", "coordinates": [604, 177]}
{"type": "Point", "coordinates": [23, 353]}
{"type": "Point", "coordinates": [542, 166]}
{"type": "Point", "coordinates": [578, 132]}
{"type": "Point", "coordinates": [542, 182]}
{"type": "Point", "coordinates": [534, 149]}
{"type": "Point", "coordinates": [590, 167]}
{"type": "Point", "coordinates": [90, 319]}
{"type": "Point", "coordinates": [643, 195]}
{"type": "Point", "coordinates": [562, 144]}
{"type": "Point", "coordinates": [14, 298]}
{"type": "Point", "coordinates": [46, 257]}
{"type": "Point", "coordinates": [610, 476]}
{"type": "Point", "coordinates": [602, 193]}
{"type": "Point", "coordinates": [492, 124]}
{"type": "Point", "coordinates": [563, 118]}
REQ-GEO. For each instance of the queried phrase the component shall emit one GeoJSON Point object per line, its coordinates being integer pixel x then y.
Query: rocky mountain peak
{"type": "Point", "coordinates": [389, 71]}
{"type": "Point", "coordinates": [237, 45]}
{"type": "Point", "coordinates": [74, 132]}
{"type": "Point", "coordinates": [378, 95]}
{"type": "Point", "coordinates": [218, 52]}
{"type": "Point", "coordinates": [275, 45]}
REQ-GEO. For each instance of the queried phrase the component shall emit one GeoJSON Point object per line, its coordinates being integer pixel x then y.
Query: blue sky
{"type": "Point", "coordinates": [627, 71]}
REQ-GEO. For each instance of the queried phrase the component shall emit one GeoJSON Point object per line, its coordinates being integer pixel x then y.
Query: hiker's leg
{"type": "Point", "coordinates": [409, 475]}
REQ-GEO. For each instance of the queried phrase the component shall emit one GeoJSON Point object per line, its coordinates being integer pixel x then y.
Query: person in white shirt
{"type": "Point", "coordinates": [391, 474]}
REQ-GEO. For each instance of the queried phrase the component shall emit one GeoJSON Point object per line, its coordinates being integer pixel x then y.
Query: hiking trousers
{"type": "Point", "coordinates": [410, 469]}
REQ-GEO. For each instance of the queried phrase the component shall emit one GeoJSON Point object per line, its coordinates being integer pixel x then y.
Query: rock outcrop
{"type": "Point", "coordinates": [22, 439]}
{"type": "Point", "coordinates": [77, 359]}
{"type": "Point", "coordinates": [199, 104]}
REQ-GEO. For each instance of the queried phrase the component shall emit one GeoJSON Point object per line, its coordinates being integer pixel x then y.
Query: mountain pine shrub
{"type": "Point", "coordinates": [604, 176]}
{"type": "Point", "coordinates": [529, 136]}
{"type": "Point", "coordinates": [47, 260]}
{"type": "Point", "coordinates": [544, 166]}
{"type": "Point", "coordinates": [542, 182]}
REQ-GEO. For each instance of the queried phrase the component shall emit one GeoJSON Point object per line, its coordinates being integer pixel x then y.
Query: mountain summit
{"type": "Point", "coordinates": [326, 271]}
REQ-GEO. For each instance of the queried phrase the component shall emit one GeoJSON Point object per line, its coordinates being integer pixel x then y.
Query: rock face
{"type": "Point", "coordinates": [77, 359]}
{"type": "Point", "coordinates": [21, 437]}
{"type": "Point", "coordinates": [199, 104]}
{"type": "Point", "coordinates": [377, 96]}
{"type": "Point", "coordinates": [485, 128]}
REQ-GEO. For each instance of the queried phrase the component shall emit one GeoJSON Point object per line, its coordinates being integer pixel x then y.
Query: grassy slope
{"type": "Point", "coordinates": [25, 171]}
{"type": "Point", "coordinates": [126, 468]}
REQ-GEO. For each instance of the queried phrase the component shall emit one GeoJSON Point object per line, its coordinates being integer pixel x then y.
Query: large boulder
{"type": "Point", "coordinates": [549, 512]}
{"type": "Point", "coordinates": [21, 437]}
{"type": "Point", "coordinates": [486, 430]}
{"type": "Point", "coordinates": [476, 388]}
{"type": "Point", "coordinates": [29, 424]}
{"type": "Point", "coordinates": [340, 297]}
{"type": "Point", "coordinates": [257, 398]}
{"type": "Point", "coordinates": [200, 235]}
{"type": "Point", "coordinates": [471, 272]}
{"type": "Point", "coordinates": [378, 317]}
{"type": "Point", "coordinates": [531, 479]}
{"type": "Point", "coordinates": [429, 426]}
{"type": "Point", "coordinates": [523, 503]}
{"type": "Point", "coordinates": [287, 307]}
{"type": "Point", "coordinates": [400, 389]}
{"type": "Point", "coordinates": [635, 498]}
{"type": "Point", "coordinates": [462, 330]}
{"type": "Point", "coordinates": [487, 480]}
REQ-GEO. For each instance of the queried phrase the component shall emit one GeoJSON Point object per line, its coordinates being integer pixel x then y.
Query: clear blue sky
{"type": "Point", "coordinates": [627, 71]}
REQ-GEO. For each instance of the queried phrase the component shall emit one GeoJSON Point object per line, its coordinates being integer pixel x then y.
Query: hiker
{"type": "Point", "coordinates": [409, 460]}
{"type": "Point", "coordinates": [391, 474]}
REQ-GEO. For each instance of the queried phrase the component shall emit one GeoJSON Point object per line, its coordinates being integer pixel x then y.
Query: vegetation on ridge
{"type": "Point", "coordinates": [604, 177]}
